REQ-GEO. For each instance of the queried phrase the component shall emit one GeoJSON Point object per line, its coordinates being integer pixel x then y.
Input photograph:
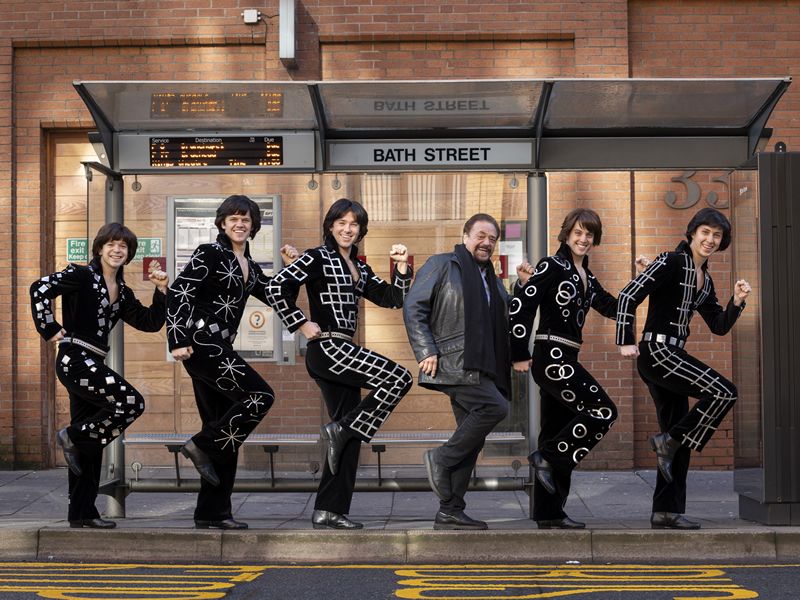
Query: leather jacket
{"type": "Point", "coordinates": [433, 312]}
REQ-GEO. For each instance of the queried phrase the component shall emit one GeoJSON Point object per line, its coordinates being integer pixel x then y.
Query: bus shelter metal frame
{"type": "Point", "coordinates": [573, 125]}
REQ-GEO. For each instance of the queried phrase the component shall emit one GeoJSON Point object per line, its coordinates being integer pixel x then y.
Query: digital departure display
{"type": "Point", "coordinates": [235, 105]}
{"type": "Point", "coordinates": [216, 151]}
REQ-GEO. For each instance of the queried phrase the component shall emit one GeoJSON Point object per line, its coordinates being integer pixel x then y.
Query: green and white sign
{"type": "Point", "coordinates": [149, 247]}
{"type": "Point", "coordinates": [77, 250]}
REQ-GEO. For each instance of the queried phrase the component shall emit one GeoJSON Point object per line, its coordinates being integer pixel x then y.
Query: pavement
{"type": "Point", "coordinates": [398, 526]}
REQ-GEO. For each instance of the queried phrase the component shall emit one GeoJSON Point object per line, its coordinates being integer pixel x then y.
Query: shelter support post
{"type": "Point", "coordinates": [114, 465]}
{"type": "Point", "coordinates": [537, 247]}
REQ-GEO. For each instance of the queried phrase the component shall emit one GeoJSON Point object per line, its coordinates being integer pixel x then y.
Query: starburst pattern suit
{"type": "Point", "coordinates": [576, 412]}
{"type": "Point", "coordinates": [102, 403]}
{"type": "Point", "coordinates": [205, 305]}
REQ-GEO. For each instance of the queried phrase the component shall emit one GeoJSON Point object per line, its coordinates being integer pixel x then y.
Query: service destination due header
{"type": "Point", "coordinates": [434, 154]}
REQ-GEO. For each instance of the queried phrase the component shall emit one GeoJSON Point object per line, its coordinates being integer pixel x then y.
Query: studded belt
{"type": "Point", "coordinates": [333, 334]}
{"type": "Point", "coordinates": [78, 342]}
{"type": "Point", "coordinates": [663, 338]}
{"type": "Point", "coordinates": [548, 337]}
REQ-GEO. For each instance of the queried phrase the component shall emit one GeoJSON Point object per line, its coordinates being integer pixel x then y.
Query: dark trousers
{"type": "Point", "coordinates": [672, 375]}
{"type": "Point", "coordinates": [341, 369]}
{"type": "Point", "coordinates": [576, 413]}
{"type": "Point", "coordinates": [101, 405]}
{"type": "Point", "coordinates": [548, 506]}
{"type": "Point", "coordinates": [231, 398]}
{"type": "Point", "coordinates": [478, 409]}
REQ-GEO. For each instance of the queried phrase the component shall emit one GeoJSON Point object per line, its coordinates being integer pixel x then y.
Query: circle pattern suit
{"type": "Point", "coordinates": [576, 413]}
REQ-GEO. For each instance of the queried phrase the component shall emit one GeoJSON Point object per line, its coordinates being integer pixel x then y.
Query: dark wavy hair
{"type": "Point", "coordinates": [339, 209]}
{"type": "Point", "coordinates": [588, 219]}
{"type": "Point", "coordinates": [238, 205]}
{"type": "Point", "coordinates": [713, 218]}
{"type": "Point", "coordinates": [111, 232]}
{"type": "Point", "coordinates": [481, 217]}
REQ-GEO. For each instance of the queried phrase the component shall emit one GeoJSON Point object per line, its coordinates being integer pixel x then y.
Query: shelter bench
{"type": "Point", "coordinates": [271, 443]}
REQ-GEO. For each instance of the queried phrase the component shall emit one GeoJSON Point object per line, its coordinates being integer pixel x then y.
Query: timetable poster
{"type": "Point", "coordinates": [194, 225]}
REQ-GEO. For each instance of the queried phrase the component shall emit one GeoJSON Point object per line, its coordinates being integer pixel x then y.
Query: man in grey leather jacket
{"type": "Point", "coordinates": [456, 319]}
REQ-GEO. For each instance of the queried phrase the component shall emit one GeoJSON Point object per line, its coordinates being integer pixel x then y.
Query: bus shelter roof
{"type": "Point", "coordinates": [480, 124]}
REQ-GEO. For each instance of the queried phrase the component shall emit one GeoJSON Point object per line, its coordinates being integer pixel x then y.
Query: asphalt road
{"type": "Point", "coordinates": [19, 581]}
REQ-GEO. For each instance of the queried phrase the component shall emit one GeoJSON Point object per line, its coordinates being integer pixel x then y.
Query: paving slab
{"type": "Point", "coordinates": [398, 526]}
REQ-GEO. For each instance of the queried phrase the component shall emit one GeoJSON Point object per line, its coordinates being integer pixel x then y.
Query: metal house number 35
{"type": "Point", "coordinates": [694, 192]}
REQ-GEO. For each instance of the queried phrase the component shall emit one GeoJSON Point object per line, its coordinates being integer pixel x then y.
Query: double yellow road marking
{"type": "Point", "coordinates": [531, 582]}
{"type": "Point", "coordinates": [65, 581]}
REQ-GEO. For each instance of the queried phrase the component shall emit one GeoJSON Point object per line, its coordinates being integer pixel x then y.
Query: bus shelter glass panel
{"type": "Point", "coordinates": [96, 186]}
{"type": "Point", "coordinates": [746, 336]}
{"type": "Point", "coordinates": [80, 206]}
{"type": "Point", "coordinates": [426, 212]}
{"type": "Point", "coordinates": [151, 203]}
{"type": "Point", "coordinates": [182, 105]}
{"type": "Point", "coordinates": [656, 104]}
{"type": "Point", "coordinates": [426, 105]}
{"type": "Point", "coordinates": [191, 223]}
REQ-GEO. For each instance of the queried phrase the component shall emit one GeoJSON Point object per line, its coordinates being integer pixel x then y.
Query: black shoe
{"type": "Point", "coordinates": [336, 438]}
{"type": "Point", "coordinates": [70, 452]}
{"type": "Point", "coordinates": [669, 520]}
{"type": "Point", "coordinates": [459, 520]}
{"type": "Point", "coordinates": [543, 470]}
{"type": "Point", "coordinates": [325, 519]}
{"type": "Point", "coordinates": [93, 524]}
{"type": "Point", "coordinates": [665, 448]}
{"type": "Point", "coordinates": [438, 477]}
{"type": "Point", "coordinates": [201, 462]}
{"type": "Point", "coordinates": [565, 523]}
{"type": "Point", "coordinates": [229, 523]}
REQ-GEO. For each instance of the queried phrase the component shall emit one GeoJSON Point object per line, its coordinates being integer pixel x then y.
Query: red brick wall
{"type": "Point", "coordinates": [609, 195]}
{"type": "Point", "coordinates": [7, 327]}
{"type": "Point", "coordinates": [419, 59]}
{"type": "Point", "coordinates": [707, 39]}
{"type": "Point", "coordinates": [721, 39]}
{"type": "Point", "coordinates": [660, 227]}
{"type": "Point", "coordinates": [44, 98]}
{"type": "Point", "coordinates": [43, 48]}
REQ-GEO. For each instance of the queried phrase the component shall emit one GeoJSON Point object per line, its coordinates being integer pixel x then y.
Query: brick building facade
{"type": "Point", "coordinates": [46, 45]}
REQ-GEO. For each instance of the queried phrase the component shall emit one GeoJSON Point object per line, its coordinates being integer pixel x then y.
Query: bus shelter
{"type": "Point", "coordinates": [530, 126]}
